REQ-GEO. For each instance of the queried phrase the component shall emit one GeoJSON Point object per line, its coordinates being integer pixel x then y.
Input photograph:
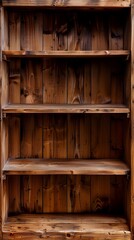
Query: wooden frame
{"type": "Point", "coordinates": [66, 118]}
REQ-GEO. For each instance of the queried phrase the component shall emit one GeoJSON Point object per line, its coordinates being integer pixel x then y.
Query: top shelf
{"type": "Point", "coordinates": [66, 54]}
{"type": "Point", "coordinates": [67, 4]}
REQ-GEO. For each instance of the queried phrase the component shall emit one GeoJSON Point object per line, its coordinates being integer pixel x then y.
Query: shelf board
{"type": "Point", "coordinates": [65, 108]}
{"type": "Point", "coordinates": [68, 4]}
{"type": "Point", "coordinates": [65, 166]}
{"type": "Point", "coordinates": [66, 226]}
{"type": "Point", "coordinates": [65, 54]}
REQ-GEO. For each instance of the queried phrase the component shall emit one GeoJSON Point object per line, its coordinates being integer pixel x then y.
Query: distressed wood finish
{"type": "Point", "coordinates": [81, 166]}
{"type": "Point", "coordinates": [64, 226]}
{"type": "Point", "coordinates": [65, 3]}
{"type": "Point", "coordinates": [61, 54]}
{"type": "Point", "coordinates": [64, 108]}
{"type": "Point", "coordinates": [67, 151]}
{"type": "Point", "coordinates": [132, 117]}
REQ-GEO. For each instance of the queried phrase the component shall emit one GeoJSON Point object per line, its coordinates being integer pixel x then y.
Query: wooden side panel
{"type": "Point", "coordinates": [4, 29]}
{"type": "Point", "coordinates": [132, 118]}
{"type": "Point", "coordinates": [31, 31]}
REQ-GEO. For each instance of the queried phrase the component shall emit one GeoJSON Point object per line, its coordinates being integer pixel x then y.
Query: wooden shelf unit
{"type": "Point", "coordinates": [66, 175]}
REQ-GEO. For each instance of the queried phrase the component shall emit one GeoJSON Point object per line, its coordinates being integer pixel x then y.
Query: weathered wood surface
{"type": "Point", "coordinates": [66, 226]}
{"type": "Point", "coordinates": [65, 34]}
{"type": "Point", "coordinates": [132, 121]}
{"type": "Point", "coordinates": [65, 3]}
{"type": "Point", "coordinates": [62, 166]}
{"type": "Point", "coordinates": [64, 108]}
{"type": "Point", "coordinates": [61, 54]}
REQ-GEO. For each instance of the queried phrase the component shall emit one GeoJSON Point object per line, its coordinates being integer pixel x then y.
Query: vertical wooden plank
{"type": "Point", "coordinates": [14, 137]}
{"type": "Point", "coordinates": [61, 29]}
{"type": "Point", "coordinates": [31, 82]}
{"type": "Point", "coordinates": [4, 29]}
{"type": "Point", "coordinates": [14, 30]}
{"type": "Point", "coordinates": [117, 83]}
{"type": "Point", "coordinates": [49, 37]}
{"type": "Point", "coordinates": [60, 136]}
{"type": "Point", "coordinates": [48, 136]}
{"type": "Point", "coordinates": [54, 81]}
{"type": "Point", "coordinates": [54, 194]}
{"type": "Point", "coordinates": [116, 33]}
{"type": "Point", "coordinates": [78, 194]}
{"type": "Point", "coordinates": [100, 142]}
{"type": "Point", "coordinates": [75, 82]}
{"type": "Point", "coordinates": [100, 32]}
{"type": "Point", "coordinates": [84, 31]}
{"type": "Point", "coordinates": [100, 194]}
{"type": "Point", "coordinates": [100, 82]}
{"type": "Point", "coordinates": [31, 194]}
{"type": "Point", "coordinates": [132, 118]}
{"type": "Point", "coordinates": [1, 180]}
{"type": "Point", "coordinates": [37, 141]}
{"type": "Point", "coordinates": [14, 81]}
{"type": "Point", "coordinates": [31, 31]}
{"type": "Point", "coordinates": [54, 146]}
{"type": "Point", "coordinates": [55, 136]}
{"type": "Point", "coordinates": [117, 194]}
{"type": "Point", "coordinates": [27, 129]}
{"type": "Point", "coordinates": [14, 194]}
{"type": "Point", "coordinates": [79, 136]}
{"type": "Point", "coordinates": [116, 137]}
{"type": "Point", "coordinates": [73, 41]}
{"type": "Point", "coordinates": [87, 82]}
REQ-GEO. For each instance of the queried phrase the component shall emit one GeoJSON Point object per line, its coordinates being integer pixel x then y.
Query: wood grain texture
{"type": "Point", "coordinates": [65, 3]}
{"type": "Point", "coordinates": [64, 108]}
{"type": "Point", "coordinates": [132, 118]}
{"type": "Point", "coordinates": [66, 226]}
{"type": "Point", "coordinates": [70, 166]}
{"type": "Point", "coordinates": [58, 54]}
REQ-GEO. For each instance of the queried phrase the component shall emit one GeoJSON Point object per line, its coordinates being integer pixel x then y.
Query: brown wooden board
{"type": "Point", "coordinates": [71, 3]}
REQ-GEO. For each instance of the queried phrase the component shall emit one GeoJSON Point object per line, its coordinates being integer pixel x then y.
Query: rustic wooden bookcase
{"type": "Point", "coordinates": [67, 119]}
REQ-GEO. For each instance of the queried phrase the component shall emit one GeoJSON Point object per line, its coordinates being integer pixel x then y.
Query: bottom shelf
{"type": "Point", "coordinates": [65, 226]}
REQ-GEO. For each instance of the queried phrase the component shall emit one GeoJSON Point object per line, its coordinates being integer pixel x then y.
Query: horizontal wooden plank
{"type": "Point", "coordinates": [65, 54]}
{"type": "Point", "coordinates": [64, 108]}
{"type": "Point", "coordinates": [66, 227]}
{"type": "Point", "coordinates": [63, 166]}
{"type": "Point", "coordinates": [66, 3]}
